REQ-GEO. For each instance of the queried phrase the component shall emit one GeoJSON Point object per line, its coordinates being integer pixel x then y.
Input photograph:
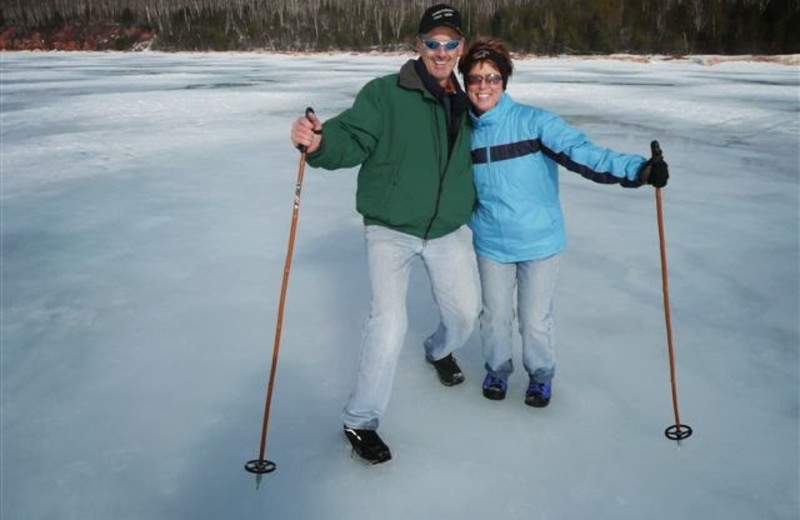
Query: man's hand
{"type": "Point", "coordinates": [307, 132]}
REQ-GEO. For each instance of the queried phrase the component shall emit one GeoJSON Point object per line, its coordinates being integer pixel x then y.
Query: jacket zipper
{"type": "Point", "coordinates": [441, 172]}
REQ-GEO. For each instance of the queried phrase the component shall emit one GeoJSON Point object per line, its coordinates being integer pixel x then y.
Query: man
{"type": "Point", "coordinates": [409, 133]}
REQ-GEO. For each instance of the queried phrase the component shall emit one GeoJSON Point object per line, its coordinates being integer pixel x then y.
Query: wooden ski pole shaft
{"type": "Point", "coordinates": [665, 291]}
{"type": "Point", "coordinates": [281, 306]}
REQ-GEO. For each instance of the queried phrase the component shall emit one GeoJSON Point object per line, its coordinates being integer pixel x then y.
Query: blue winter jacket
{"type": "Point", "coordinates": [516, 150]}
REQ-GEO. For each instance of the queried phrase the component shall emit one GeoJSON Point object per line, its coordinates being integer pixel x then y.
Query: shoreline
{"type": "Point", "coordinates": [700, 59]}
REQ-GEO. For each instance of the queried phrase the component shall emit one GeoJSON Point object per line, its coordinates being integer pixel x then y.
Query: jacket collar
{"type": "Point", "coordinates": [414, 75]}
{"type": "Point", "coordinates": [409, 78]}
{"type": "Point", "coordinates": [495, 115]}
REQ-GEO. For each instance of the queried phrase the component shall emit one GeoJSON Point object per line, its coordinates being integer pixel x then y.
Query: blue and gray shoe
{"type": "Point", "coordinates": [494, 387]}
{"type": "Point", "coordinates": [538, 394]}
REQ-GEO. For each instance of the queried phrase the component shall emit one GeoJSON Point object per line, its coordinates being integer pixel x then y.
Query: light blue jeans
{"type": "Point", "coordinates": [453, 273]}
{"type": "Point", "coordinates": [534, 282]}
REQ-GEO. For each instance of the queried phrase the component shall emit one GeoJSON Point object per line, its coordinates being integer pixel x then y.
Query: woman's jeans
{"type": "Point", "coordinates": [453, 273]}
{"type": "Point", "coordinates": [534, 282]}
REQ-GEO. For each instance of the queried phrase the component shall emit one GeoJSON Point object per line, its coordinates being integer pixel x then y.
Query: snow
{"type": "Point", "coordinates": [146, 202]}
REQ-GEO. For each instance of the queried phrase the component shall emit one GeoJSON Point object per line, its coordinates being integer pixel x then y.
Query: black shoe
{"type": "Point", "coordinates": [448, 370]}
{"type": "Point", "coordinates": [368, 445]}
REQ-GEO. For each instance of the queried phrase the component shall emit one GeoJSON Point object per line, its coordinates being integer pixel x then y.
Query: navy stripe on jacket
{"type": "Point", "coordinates": [504, 152]}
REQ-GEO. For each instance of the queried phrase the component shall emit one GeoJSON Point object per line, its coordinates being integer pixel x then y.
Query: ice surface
{"type": "Point", "coordinates": [146, 201]}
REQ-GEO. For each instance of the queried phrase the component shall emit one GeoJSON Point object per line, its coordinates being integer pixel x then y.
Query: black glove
{"type": "Point", "coordinates": [655, 171]}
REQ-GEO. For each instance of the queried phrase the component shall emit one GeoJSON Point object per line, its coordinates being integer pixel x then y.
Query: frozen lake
{"type": "Point", "coordinates": [146, 200]}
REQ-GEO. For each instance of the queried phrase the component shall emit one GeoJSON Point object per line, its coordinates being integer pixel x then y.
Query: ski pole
{"type": "Point", "coordinates": [677, 431]}
{"type": "Point", "coordinates": [260, 465]}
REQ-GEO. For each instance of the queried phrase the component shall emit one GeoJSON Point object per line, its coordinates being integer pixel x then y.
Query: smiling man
{"type": "Point", "coordinates": [409, 133]}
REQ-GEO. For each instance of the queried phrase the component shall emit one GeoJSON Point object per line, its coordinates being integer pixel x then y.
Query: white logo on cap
{"type": "Point", "coordinates": [442, 13]}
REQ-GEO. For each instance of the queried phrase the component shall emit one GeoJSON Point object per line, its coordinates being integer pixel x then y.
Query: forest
{"type": "Point", "coordinates": [675, 27]}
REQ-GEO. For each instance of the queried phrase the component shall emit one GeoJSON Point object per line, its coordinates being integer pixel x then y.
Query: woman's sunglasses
{"type": "Point", "coordinates": [477, 79]}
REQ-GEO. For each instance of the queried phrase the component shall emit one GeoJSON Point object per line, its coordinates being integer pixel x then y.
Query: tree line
{"type": "Point", "coordinates": [537, 26]}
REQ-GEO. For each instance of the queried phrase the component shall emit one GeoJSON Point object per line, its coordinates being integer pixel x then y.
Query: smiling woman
{"type": "Point", "coordinates": [484, 67]}
{"type": "Point", "coordinates": [518, 225]}
{"type": "Point", "coordinates": [483, 87]}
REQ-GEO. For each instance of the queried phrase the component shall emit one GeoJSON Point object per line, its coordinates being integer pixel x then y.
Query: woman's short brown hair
{"type": "Point", "coordinates": [487, 49]}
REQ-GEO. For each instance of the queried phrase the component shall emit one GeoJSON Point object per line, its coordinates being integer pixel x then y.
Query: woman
{"type": "Point", "coordinates": [517, 225]}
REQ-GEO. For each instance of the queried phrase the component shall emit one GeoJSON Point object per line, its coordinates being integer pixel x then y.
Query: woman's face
{"type": "Point", "coordinates": [484, 86]}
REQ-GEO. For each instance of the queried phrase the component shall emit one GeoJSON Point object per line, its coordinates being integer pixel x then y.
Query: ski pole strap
{"type": "Point", "coordinates": [309, 111]}
{"type": "Point", "coordinates": [657, 154]}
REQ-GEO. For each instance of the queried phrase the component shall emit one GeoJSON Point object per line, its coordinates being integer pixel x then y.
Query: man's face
{"type": "Point", "coordinates": [440, 62]}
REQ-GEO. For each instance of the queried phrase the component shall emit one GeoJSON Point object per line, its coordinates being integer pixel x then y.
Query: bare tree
{"type": "Point", "coordinates": [395, 11]}
{"type": "Point", "coordinates": [698, 15]}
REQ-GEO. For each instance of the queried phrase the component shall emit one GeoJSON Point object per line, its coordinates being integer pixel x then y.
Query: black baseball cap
{"type": "Point", "coordinates": [440, 15]}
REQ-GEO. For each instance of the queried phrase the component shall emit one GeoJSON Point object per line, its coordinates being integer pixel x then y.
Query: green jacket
{"type": "Point", "coordinates": [397, 131]}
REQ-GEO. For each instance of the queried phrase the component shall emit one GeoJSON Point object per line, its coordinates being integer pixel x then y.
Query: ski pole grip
{"type": "Point", "coordinates": [309, 111]}
{"type": "Point", "coordinates": [656, 152]}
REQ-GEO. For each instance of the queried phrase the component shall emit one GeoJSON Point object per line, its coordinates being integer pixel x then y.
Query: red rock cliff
{"type": "Point", "coordinates": [75, 38]}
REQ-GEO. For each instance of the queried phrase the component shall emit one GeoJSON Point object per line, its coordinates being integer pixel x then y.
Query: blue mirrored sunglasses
{"type": "Point", "coordinates": [435, 45]}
